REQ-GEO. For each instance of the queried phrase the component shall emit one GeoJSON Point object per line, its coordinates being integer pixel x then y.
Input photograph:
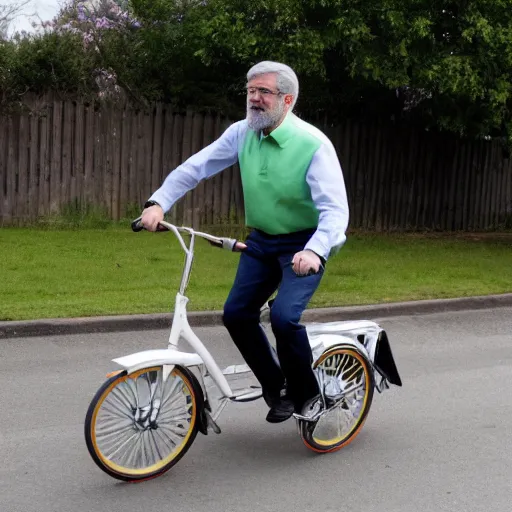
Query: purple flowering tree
{"type": "Point", "coordinates": [103, 27]}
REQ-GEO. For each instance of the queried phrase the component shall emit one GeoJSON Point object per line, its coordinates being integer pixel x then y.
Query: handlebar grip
{"type": "Point", "coordinates": [137, 225]}
{"type": "Point", "coordinates": [311, 272]}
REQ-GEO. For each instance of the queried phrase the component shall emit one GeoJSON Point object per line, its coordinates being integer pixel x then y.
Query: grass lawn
{"type": "Point", "coordinates": [71, 273]}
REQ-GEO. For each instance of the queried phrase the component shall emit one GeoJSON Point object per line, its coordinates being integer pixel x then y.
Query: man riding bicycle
{"type": "Point", "coordinates": [296, 204]}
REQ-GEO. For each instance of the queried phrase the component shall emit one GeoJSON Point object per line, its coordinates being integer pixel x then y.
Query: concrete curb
{"type": "Point", "coordinates": [51, 327]}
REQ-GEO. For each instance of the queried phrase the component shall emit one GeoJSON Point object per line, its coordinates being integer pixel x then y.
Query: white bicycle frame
{"type": "Point", "coordinates": [180, 327]}
{"type": "Point", "coordinates": [322, 337]}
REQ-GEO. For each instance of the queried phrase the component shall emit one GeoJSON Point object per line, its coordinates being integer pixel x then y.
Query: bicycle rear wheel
{"type": "Point", "coordinates": [343, 369]}
{"type": "Point", "coordinates": [138, 426]}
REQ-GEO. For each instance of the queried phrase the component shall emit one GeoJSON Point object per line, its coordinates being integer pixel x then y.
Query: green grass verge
{"type": "Point", "coordinates": [71, 273]}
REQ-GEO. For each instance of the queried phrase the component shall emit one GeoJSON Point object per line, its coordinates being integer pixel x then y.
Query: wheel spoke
{"type": "Point", "coordinates": [113, 407]}
{"type": "Point", "coordinates": [127, 455]}
{"type": "Point", "coordinates": [165, 439]}
{"type": "Point", "coordinates": [174, 432]}
{"type": "Point", "coordinates": [170, 416]}
{"type": "Point", "coordinates": [124, 395]}
{"type": "Point", "coordinates": [121, 445]}
{"type": "Point", "coordinates": [107, 419]}
{"type": "Point", "coordinates": [151, 434]}
{"type": "Point", "coordinates": [170, 397]}
{"type": "Point", "coordinates": [107, 433]}
{"type": "Point", "coordinates": [143, 422]}
{"type": "Point", "coordinates": [343, 375]}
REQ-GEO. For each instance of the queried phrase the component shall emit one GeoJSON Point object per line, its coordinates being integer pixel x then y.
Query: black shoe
{"type": "Point", "coordinates": [280, 410]}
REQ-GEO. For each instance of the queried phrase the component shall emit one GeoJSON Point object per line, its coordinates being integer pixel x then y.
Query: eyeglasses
{"type": "Point", "coordinates": [251, 91]}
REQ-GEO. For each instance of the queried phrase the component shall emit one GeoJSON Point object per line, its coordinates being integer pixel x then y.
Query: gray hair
{"type": "Point", "coordinates": [287, 81]}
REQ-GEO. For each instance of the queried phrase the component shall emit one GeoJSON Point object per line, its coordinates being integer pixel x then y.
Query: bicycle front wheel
{"type": "Point", "coordinates": [343, 369]}
{"type": "Point", "coordinates": [139, 425]}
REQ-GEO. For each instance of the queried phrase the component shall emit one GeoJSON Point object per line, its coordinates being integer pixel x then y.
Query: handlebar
{"type": "Point", "coordinates": [138, 226]}
{"type": "Point", "coordinates": [221, 242]}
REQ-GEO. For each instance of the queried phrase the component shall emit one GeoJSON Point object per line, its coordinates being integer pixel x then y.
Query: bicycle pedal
{"type": "Point", "coordinates": [236, 369]}
{"type": "Point", "coordinates": [308, 419]}
{"type": "Point", "coordinates": [247, 395]}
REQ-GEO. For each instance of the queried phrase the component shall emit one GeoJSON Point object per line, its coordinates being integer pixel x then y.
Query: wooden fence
{"type": "Point", "coordinates": [113, 158]}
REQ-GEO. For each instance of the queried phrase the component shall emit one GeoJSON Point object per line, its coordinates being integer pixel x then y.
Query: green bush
{"type": "Point", "coordinates": [53, 62]}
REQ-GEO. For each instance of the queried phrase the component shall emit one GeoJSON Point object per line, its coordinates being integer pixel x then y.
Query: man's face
{"type": "Point", "coordinates": [266, 105]}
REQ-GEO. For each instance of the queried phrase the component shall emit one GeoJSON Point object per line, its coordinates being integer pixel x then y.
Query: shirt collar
{"type": "Point", "coordinates": [284, 132]}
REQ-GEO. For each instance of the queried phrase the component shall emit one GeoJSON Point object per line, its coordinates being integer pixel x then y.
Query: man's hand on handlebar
{"type": "Point", "coordinates": [151, 217]}
{"type": "Point", "coordinates": [239, 247]}
{"type": "Point", "coordinates": [306, 263]}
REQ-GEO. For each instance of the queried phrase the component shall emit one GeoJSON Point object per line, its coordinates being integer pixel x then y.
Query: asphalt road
{"type": "Point", "coordinates": [443, 442]}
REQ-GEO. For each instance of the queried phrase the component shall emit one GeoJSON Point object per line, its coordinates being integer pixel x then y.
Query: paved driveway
{"type": "Point", "coordinates": [441, 443]}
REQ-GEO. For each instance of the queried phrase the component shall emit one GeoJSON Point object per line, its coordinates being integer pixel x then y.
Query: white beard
{"type": "Point", "coordinates": [258, 120]}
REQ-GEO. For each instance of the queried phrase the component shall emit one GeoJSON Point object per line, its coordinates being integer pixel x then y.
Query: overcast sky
{"type": "Point", "coordinates": [46, 9]}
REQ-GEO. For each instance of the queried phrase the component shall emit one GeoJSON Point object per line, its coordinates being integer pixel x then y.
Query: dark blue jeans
{"type": "Point", "coordinates": [264, 267]}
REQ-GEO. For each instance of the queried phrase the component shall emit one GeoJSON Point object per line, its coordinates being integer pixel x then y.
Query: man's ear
{"type": "Point", "coordinates": [288, 99]}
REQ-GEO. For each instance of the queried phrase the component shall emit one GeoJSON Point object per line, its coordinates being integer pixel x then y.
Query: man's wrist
{"type": "Point", "coordinates": [322, 259]}
{"type": "Point", "coordinates": [150, 203]}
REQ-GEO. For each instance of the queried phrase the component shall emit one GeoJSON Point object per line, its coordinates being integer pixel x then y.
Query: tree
{"type": "Point", "coordinates": [8, 13]}
{"type": "Point", "coordinates": [442, 63]}
{"type": "Point", "coordinates": [449, 62]}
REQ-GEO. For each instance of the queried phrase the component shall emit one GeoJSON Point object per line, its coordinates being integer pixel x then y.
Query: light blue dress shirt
{"type": "Point", "coordinates": [324, 177]}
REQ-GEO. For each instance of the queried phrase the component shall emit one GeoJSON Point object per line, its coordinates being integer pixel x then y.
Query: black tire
{"type": "Point", "coordinates": [359, 367]}
{"type": "Point", "coordinates": [118, 400]}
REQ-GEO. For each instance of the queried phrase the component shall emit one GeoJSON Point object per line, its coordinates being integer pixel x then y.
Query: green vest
{"type": "Point", "coordinates": [273, 168]}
